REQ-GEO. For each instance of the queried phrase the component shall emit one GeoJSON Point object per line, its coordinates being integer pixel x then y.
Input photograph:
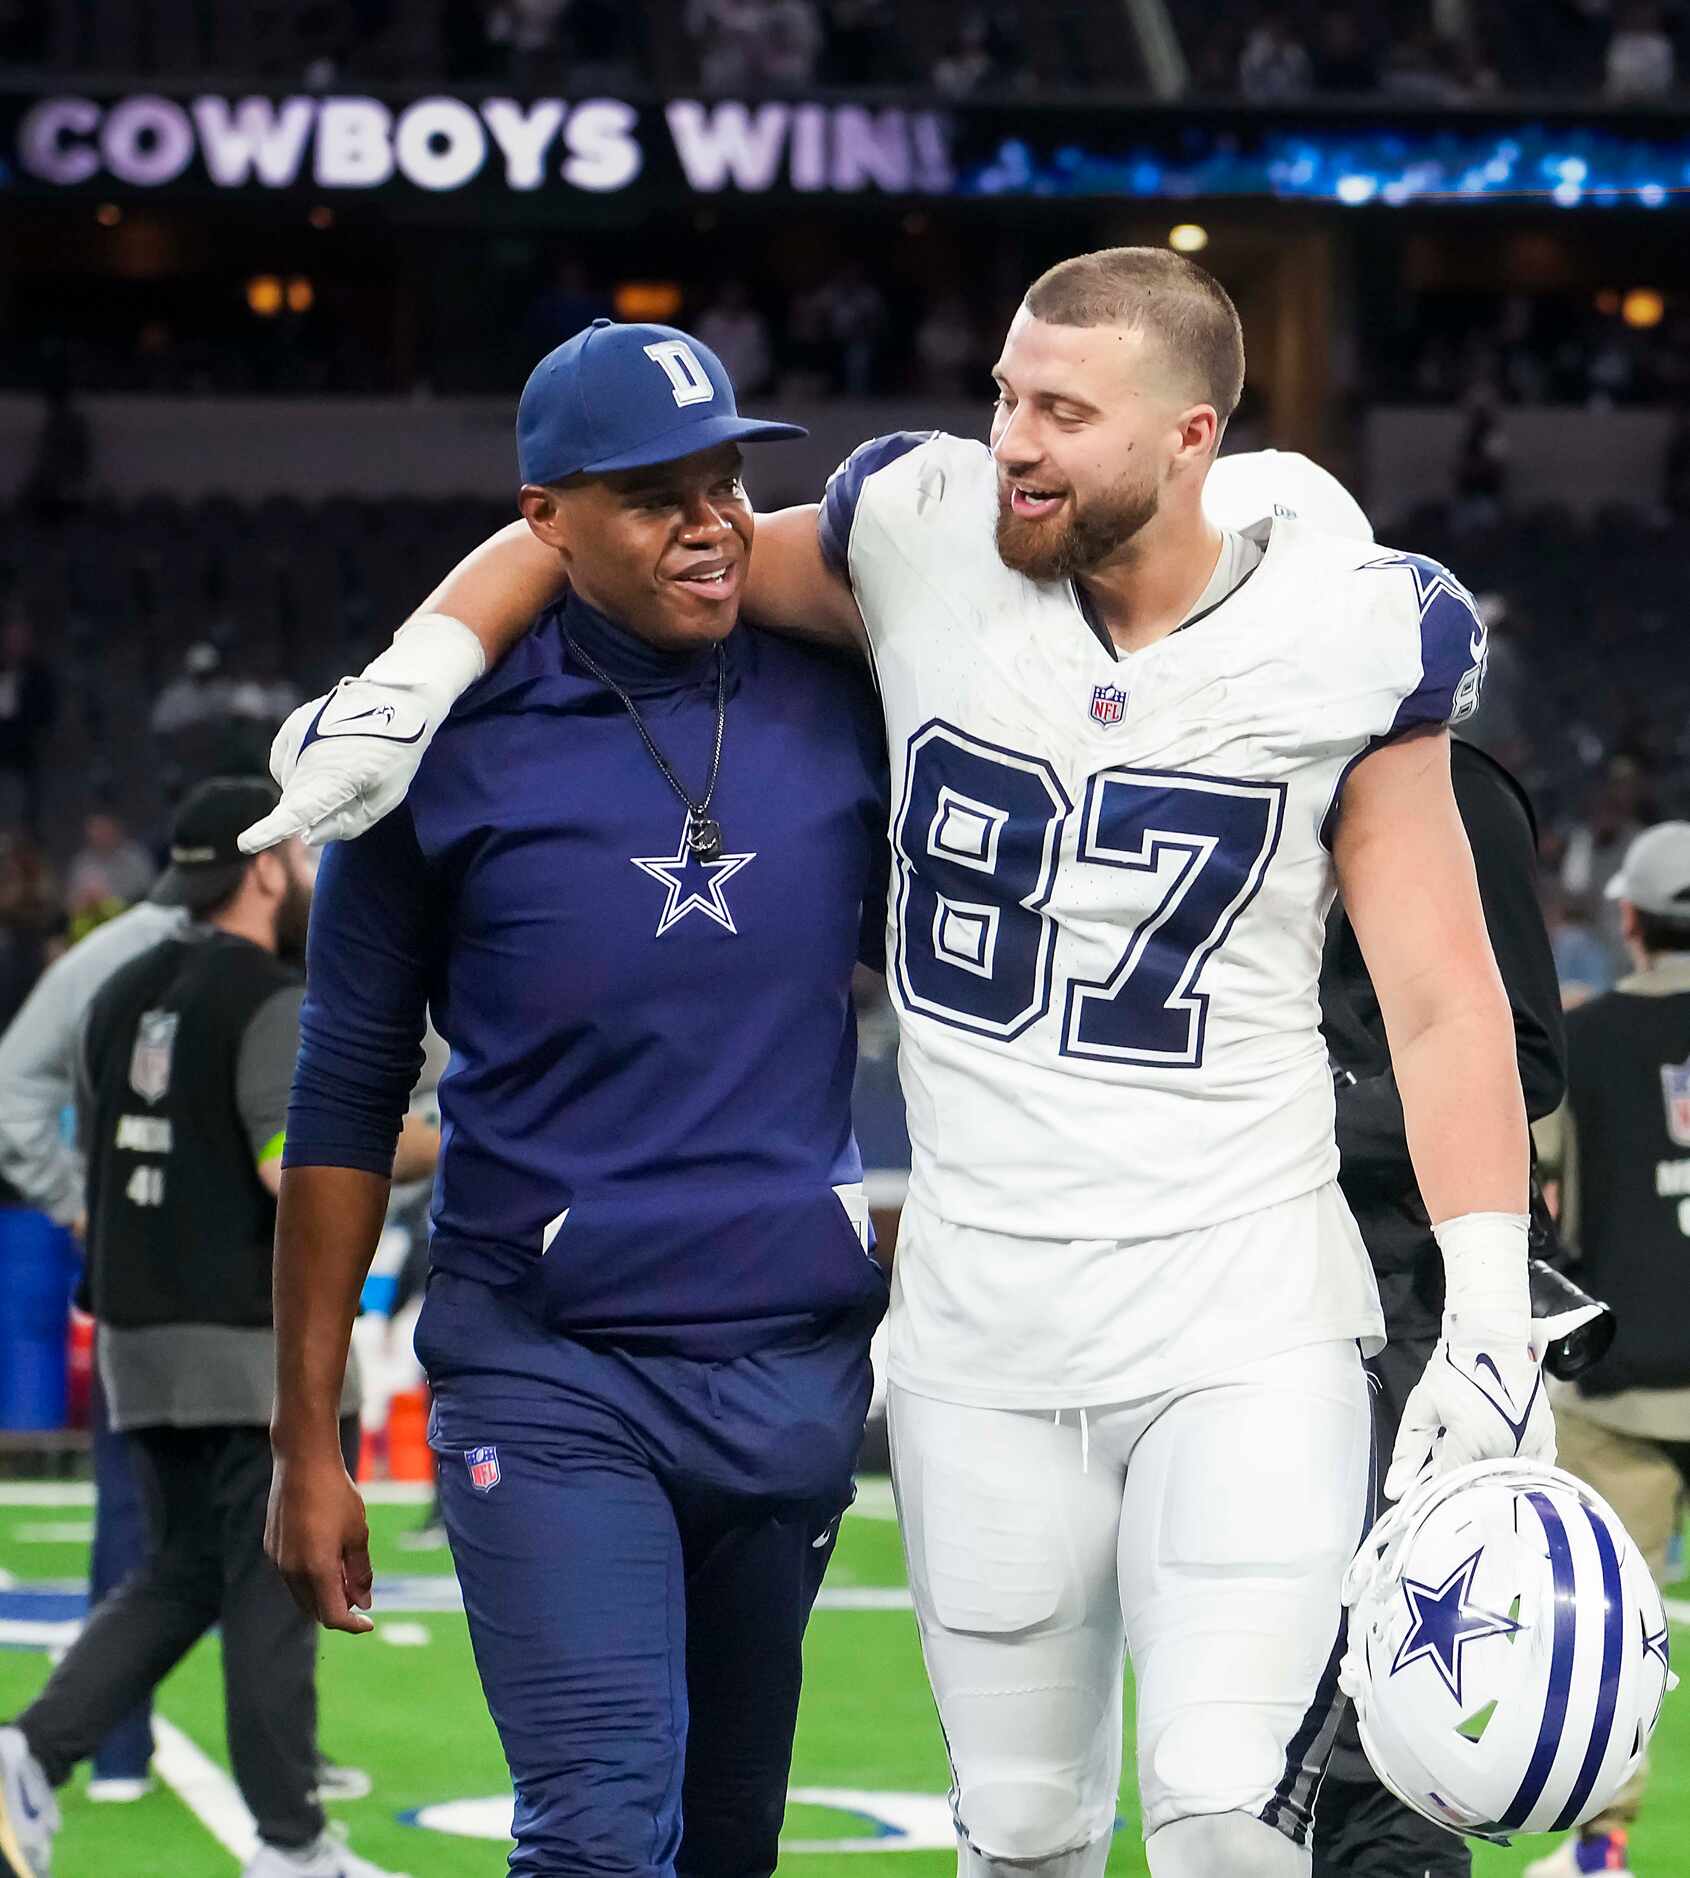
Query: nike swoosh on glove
{"type": "Point", "coordinates": [345, 760]}
{"type": "Point", "coordinates": [1482, 1398]}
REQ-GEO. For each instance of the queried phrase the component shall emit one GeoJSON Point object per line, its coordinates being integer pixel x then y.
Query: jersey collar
{"type": "Point", "coordinates": [1100, 632]}
{"type": "Point", "coordinates": [635, 665]}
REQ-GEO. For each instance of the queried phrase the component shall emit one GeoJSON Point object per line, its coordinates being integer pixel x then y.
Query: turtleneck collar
{"type": "Point", "coordinates": [633, 662]}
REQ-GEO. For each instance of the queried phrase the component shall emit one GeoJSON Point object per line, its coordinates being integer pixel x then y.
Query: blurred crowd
{"type": "Point", "coordinates": [1435, 52]}
{"type": "Point", "coordinates": [750, 47]}
{"type": "Point", "coordinates": [1444, 52]}
{"type": "Point", "coordinates": [1535, 349]}
{"type": "Point", "coordinates": [1587, 693]}
{"type": "Point", "coordinates": [78, 844]}
{"type": "Point", "coordinates": [855, 331]}
{"type": "Point", "coordinates": [846, 324]}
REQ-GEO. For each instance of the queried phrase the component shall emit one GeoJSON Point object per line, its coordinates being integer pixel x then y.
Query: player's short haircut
{"type": "Point", "coordinates": [1155, 291]}
{"type": "Point", "coordinates": [1663, 932]}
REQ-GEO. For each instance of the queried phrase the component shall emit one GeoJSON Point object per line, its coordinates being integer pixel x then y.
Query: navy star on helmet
{"type": "Point", "coordinates": [1445, 1623]}
{"type": "Point", "coordinates": [1521, 1589]}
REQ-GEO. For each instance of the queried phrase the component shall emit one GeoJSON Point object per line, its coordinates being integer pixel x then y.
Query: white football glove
{"type": "Point", "coordinates": [344, 760]}
{"type": "Point", "coordinates": [1482, 1397]}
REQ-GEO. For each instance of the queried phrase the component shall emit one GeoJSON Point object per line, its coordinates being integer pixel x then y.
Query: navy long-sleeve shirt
{"type": "Point", "coordinates": [647, 1109]}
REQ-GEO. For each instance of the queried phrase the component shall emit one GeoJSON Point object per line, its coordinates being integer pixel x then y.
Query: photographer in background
{"type": "Point", "coordinates": [185, 1065]}
{"type": "Point", "coordinates": [1620, 1147]}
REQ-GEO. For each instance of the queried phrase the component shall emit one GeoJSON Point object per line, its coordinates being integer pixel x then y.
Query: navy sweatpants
{"type": "Point", "coordinates": [121, 1545]}
{"type": "Point", "coordinates": [640, 1539]}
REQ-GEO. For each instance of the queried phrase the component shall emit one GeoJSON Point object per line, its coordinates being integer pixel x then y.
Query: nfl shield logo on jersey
{"type": "Point", "coordinates": [1675, 1086]}
{"type": "Point", "coordinates": [149, 1061]}
{"type": "Point", "coordinates": [483, 1465]}
{"type": "Point", "coordinates": [1108, 704]}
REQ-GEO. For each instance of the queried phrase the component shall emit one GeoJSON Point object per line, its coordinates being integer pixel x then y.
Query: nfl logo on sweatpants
{"type": "Point", "coordinates": [483, 1465]}
{"type": "Point", "coordinates": [1108, 704]}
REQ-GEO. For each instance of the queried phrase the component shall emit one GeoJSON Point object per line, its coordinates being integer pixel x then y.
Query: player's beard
{"type": "Point", "coordinates": [1079, 541]}
{"type": "Point", "coordinates": [293, 921]}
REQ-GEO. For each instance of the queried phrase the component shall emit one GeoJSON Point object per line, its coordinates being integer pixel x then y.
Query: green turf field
{"type": "Point", "coordinates": [404, 1704]}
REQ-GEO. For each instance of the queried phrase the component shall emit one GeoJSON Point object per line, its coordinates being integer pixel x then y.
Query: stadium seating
{"type": "Point", "coordinates": [1066, 44]}
{"type": "Point", "coordinates": [307, 590]}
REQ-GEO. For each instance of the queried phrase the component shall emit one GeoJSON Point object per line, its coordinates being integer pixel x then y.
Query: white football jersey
{"type": "Point", "coordinates": [1111, 872]}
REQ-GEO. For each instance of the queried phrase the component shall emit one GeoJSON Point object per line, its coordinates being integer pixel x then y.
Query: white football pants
{"type": "Point", "coordinates": [1204, 1531]}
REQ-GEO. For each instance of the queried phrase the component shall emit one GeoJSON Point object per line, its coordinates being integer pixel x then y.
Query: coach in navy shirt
{"type": "Point", "coordinates": [630, 882]}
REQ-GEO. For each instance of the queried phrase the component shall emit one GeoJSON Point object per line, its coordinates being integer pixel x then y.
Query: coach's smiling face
{"type": "Point", "coordinates": [662, 550]}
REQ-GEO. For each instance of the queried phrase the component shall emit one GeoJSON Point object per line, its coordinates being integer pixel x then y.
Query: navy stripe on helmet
{"type": "Point", "coordinates": [1554, 1721]}
{"type": "Point", "coordinates": [1608, 1695]}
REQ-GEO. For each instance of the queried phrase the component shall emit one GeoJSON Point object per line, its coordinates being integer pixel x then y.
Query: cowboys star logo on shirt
{"type": "Point", "coordinates": [1675, 1089]}
{"type": "Point", "coordinates": [692, 884]}
{"type": "Point", "coordinates": [150, 1059]}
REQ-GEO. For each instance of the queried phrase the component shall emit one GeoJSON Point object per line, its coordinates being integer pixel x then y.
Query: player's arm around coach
{"type": "Point", "coordinates": [1402, 862]}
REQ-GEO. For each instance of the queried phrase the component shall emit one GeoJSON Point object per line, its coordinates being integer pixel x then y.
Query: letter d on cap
{"type": "Point", "coordinates": [687, 379]}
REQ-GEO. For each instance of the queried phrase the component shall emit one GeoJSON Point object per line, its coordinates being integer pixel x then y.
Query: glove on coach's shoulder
{"type": "Point", "coordinates": [345, 760]}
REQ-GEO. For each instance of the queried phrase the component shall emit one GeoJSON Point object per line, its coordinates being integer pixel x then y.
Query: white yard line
{"type": "Point", "coordinates": [28, 1633]}
{"type": "Point", "coordinates": [204, 1789]}
{"type": "Point", "coordinates": [436, 1595]}
{"type": "Point", "coordinates": [81, 1492]}
{"type": "Point", "coordinates": [874, 1498]}
{"type": "Point", "coordinates": [874, 1494]}
{"type": "Point", "coordinates": [866, 1598]}
{"type": "Point", "coordinates": [403, 1635]}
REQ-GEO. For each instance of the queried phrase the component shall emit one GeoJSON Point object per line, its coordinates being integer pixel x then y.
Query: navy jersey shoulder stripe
{"type": "Point", "coordinates": [1453, 646]}
{"type": "Point", "coordinates": [1453, 651]}
{"type": "Point", "coordinates": [845, 488]}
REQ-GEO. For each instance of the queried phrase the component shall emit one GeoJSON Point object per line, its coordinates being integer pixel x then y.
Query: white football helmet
{"type": "Point", "coordinates": [1242, 489]}
{"type": "Point", "coordinates": [1507, 1650]}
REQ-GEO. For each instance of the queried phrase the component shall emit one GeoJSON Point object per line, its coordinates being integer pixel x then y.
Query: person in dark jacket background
{"type": "Point", "coordinates": [1359, 1826]}
{"type": "Point", "coordinates": [186, 1059]}
{"type": "Point", "coordinates": [1620, 1149]}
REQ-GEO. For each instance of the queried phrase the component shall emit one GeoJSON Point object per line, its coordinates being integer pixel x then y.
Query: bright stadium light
{"type": "Point", "coordinates": [264, 295]}
{"type": "Point", "coordinates": [647, 300]}
{"type": "Point", "coordinates": [301, 295]}
{"type": "Point", "coordinates": [1643, 307]}
{"type": "Point", "coordinates": [1188, 238]}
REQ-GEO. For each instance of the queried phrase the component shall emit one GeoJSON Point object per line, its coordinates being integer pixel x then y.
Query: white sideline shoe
{"type": "Point", "coordinates": [328, 1858]}
{"type": "Point", "coordinates": [29, 1815]}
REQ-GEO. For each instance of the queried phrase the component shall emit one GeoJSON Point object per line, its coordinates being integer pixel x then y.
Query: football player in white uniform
{"type": "Point", "coordinates": [1134, 754]}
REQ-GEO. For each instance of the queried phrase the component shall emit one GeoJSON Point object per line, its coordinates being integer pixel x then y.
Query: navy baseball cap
{"type": "Point", "coordinates": [619, 397]}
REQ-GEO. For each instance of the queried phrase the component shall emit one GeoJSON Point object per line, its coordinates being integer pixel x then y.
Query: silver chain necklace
{"type": "Point", "coordinates": [704, 836]}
